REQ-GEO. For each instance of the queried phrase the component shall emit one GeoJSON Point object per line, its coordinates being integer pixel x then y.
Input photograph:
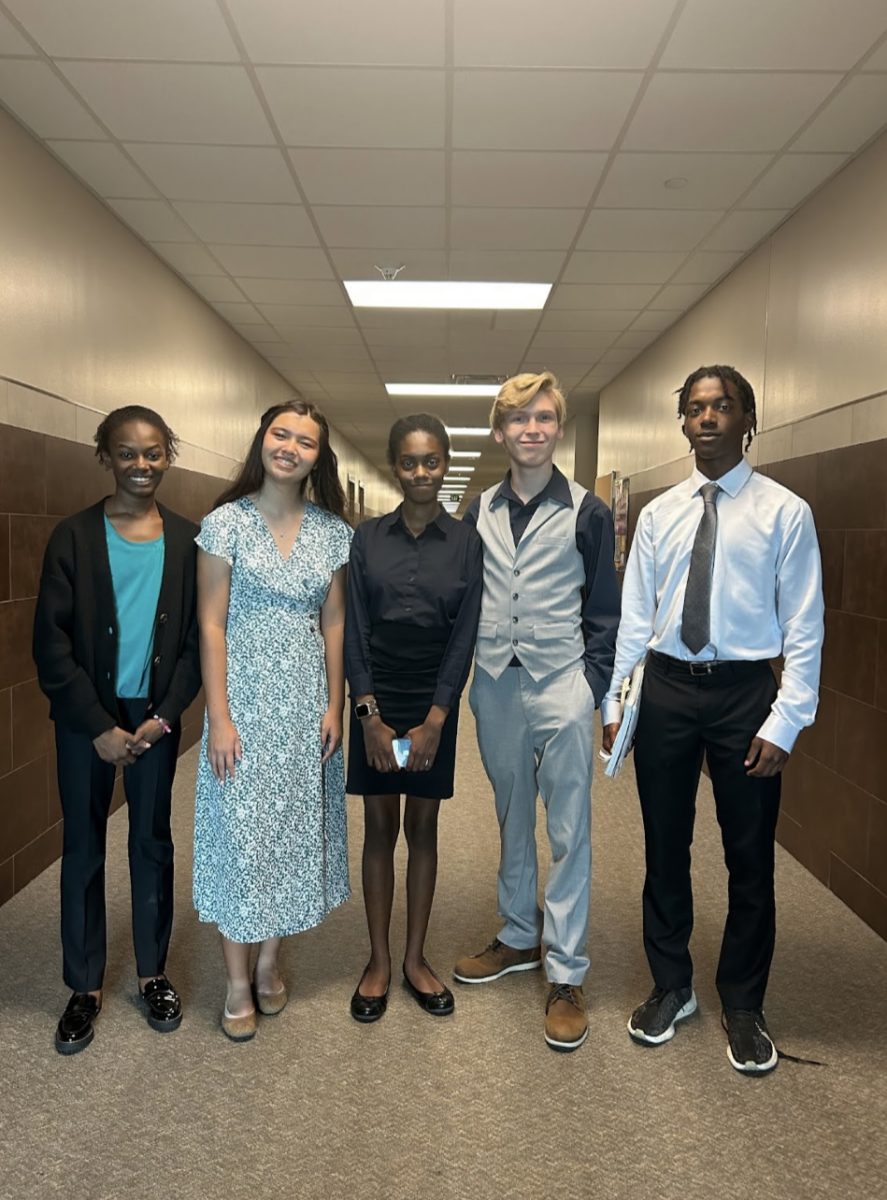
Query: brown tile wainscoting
{"type": "Point", "coordinates": [43, 478]}
{"type": "Point", "coordinates": [834, 796]}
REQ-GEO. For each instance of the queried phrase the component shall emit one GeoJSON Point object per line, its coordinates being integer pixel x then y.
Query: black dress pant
{"type": "Point", "coordinates": [86, 785]}
{"type": "Point", "coordinates": [683, 717]}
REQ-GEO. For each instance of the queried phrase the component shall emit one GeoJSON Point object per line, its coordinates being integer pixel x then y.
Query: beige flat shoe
{"type": "Point", "coordinates": [239, 1029]}
{"type": "Point", "coordinates": [270, 1004]}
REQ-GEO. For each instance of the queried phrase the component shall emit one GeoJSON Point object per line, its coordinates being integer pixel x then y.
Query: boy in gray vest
{"type": "Point", "coordinates": [544, 656]}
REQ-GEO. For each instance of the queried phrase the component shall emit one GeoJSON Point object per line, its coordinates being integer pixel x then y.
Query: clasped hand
{"type": "Point", "coordinates": [121, 749]}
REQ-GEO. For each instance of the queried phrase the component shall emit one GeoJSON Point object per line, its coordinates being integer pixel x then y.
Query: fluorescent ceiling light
{"type": "Point", "coordinates": [452, 471]}
{"type": "Point", "coordinates": [465, 454]}
{"type": "Point", "coordinates": [442, 389]}
{"type": "Point", "coordinates": [445, 293]}
{"type": "Point", "coordinates": [469, 430]}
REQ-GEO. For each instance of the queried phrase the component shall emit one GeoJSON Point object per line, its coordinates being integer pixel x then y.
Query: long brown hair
{"type": "Point", "coordinates": [326, 489]}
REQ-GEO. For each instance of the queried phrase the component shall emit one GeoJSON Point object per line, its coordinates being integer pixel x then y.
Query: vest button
{"type": "Point", "coordinates": [514, 641]}
{"type": "Point", "coordinates": [517, 570]}
{"type": "Point", "coordinates": [514, 620]}
{"type": "Point", "coordinates": [157, 661]}
{"type": "Point", "coordinates": [515, 596]}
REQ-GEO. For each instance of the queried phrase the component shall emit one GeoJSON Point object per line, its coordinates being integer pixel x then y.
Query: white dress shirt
{"type": "Point", "coordinates": [766, 590]}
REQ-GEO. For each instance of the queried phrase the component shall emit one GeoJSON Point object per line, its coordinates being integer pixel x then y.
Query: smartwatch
{"type": "Point", "coordinates": [366, 709]}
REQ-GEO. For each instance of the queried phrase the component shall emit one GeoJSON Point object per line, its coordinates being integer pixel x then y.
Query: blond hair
{"type": "Point", "coordinates": [521, 390]}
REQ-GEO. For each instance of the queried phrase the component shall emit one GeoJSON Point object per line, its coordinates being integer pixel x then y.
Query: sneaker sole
{"type": "Point", "coordinates": [750, 1068]}
{"type": "Point", "coordinates": [647, 1039]}
{"type": "Point", "coordinates": [566, 1047]}
{"type": "Point", "coordinates": [530, 966]}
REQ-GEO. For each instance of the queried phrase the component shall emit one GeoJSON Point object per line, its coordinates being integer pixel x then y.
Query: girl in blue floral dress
{"type": "Point", "coordinates": [270, 845]}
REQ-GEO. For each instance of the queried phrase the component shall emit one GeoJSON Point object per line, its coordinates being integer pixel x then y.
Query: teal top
{"type": "Point", "coordinates": [136, 572]}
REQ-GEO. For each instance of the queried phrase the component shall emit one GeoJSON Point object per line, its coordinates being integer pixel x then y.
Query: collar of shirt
{"type": "Point", "coordinates": [556, 489]}
{"type": "Point", "coordinates": [732, 483]}
{"type": "Point", "coordinates": [394, 523]}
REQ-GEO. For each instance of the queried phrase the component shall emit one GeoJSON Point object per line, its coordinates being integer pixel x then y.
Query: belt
{"type": "Point", "coordinates": [714, 666]}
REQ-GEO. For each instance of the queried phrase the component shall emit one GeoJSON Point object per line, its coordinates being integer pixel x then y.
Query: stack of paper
{"type": "Point", "coordinates": [631, 707]}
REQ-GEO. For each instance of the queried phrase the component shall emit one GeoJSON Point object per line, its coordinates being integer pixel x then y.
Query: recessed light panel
{"type": "Point", "coordinates": [445, 293]}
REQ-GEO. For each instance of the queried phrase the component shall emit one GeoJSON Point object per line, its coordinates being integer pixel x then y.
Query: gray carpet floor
{"type": "Point", "coordinates": [474, 1106]}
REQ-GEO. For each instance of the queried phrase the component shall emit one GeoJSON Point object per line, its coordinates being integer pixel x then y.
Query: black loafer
{"type": "Point", "coordinates": [368, 1008]}
{"type": "Point", "coordinates": [436, 1004]}
{"type": "Point", "coordinates": [163, 1005]}
{"type": "Point", "coordinates": [76, 1029]}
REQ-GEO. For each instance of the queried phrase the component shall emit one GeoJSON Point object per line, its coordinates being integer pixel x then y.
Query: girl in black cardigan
{"type": "Point", "coordinates": [116, 648]}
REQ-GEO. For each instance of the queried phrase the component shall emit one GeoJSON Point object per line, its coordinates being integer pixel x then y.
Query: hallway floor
{"type": "Point", "coordinates": [318, 1106]}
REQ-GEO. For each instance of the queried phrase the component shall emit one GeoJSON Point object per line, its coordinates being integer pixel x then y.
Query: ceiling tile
{"type": "Point", "coordinates": [611, 266]}
{"type": "Point", "coordinates": [791, 179]}
{"type": "Point", "coordinates": [104, 167]}
{"type": "Point", "coordinates": [588, 319]}
{"type": "Point", "coordinates": [371, 227]}
{"type": "Point", "coordinates": [593, 343]}
{"type": "Point", "coordinates": [236, 173]}
{"type": "Point", "coordinates": [704, 111]}
{"type": "Point", "coordinates": [513, 228]}
{"type": "Point", "coordinates": [602, 295]}
{"type": "Point", "coordinates": [371, 176]}
{"type": "Point", "coordinates": [798, 35]}
{"type": "Point", "coordinates": [349, 106]}
{"type": "Point", "coordinates": [220, 287]}
{"type": "Point", "coordinates": [172, 102]}
{"type": "Point", "coordinates": [290, 291]}
{"type": "Point", "coordinates": [190, 257]}
{"type": "Point", "coordinates": [11, 41]}
{"type": "Point", "coordinates": [636, 339]}
{"type": "Point", "coordinates": [165, 29]}
{"type": "Point", "coordinates": [430, 321]}
{"type": "Point", "coordinates": [679, 295]}
{"type": "Point", "coordinates": [561, 33]}
{"type": "Point", "coordinates": [540, 110]}
{"type": "Point", "coordinates": [742, 230]}
{"type": "Point", "coordinates": [273, 262]}
{"type": "Point", "coordinates": [361, 264]}
{"type": "Point", "coordinates": [262, 334]}
{"type": "Point", "coordinates": [575, 358]}
{"type": "Point", "coordinates": [41, 101]}
{"type": "Point", "coordinates": [856, 114]}
{"type": "Point", "coordinates": [516, 266]}
{"type": "Point", "coordinates": [645, 230]}
{"type": "Point", "coordinates": [349, 31]}
{"type": "Point", "coordinates": [250, 224]}
{"type": "Point", "coordinates": [349, 380]}
{"type": "Point", "coordinates": [238, 312]}
{"type": "Point", "coordinates": [392, 339]}
{"type": "Point", "coordinates": [153, 219]}
{"type": "Point", "coordinates": [706, 267]}
{"type": "Point", "coordinates": [305, 316]}
{"type": "Point", "coordinates": [524, 178]}
{"type": "Point", "coordinates": [656, 321]}
{"type": "Point", "coordinates": [713, 180]}
{"type": "Point", "coordinates": [311, 338]}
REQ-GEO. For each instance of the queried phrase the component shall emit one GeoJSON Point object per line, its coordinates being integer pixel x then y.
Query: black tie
{"type": "Point", "coordinates": [695, 622]}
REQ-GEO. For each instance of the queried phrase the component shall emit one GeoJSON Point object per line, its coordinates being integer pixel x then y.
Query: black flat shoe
{"type": "Point", "coordinates": [76, 1029]}
{"type": "Point", "coordinates": [163, 1005]}
{"type": "Point", "coordinates": [436, 1004]}
{"type": "Point", "coordinates": [368, 1008]}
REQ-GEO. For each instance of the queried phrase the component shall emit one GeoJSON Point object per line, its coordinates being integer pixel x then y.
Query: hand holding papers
{"type": "Point", "coordinates": [631, 706]}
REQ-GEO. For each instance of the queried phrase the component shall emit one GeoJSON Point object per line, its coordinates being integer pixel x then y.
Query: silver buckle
{"type": "Point", "coordinates": [700, 668]}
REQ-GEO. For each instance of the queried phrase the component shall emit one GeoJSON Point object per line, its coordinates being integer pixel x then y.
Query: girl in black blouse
{"type": "Point", "coordinates": [414, 590]}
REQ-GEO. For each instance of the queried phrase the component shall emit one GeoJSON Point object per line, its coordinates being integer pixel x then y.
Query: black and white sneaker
{"type": "Point", "coordinates": [750, 1048]}
{"type": "Point", "coordinates": [654, 1021]}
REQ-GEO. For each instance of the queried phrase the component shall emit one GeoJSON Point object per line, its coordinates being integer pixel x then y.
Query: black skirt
{"type": "Point", "coordinates": [405, 661]}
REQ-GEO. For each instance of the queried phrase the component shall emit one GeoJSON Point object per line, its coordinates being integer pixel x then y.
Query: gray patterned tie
{"type": "Point", "coordinates": [695, 621]}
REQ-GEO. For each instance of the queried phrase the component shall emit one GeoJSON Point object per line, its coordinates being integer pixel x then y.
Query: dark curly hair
{"type": "Point", "coordinates": [134, 412]}
{"type": "Point", "coordinates": [417, 423]}
{"type": "Point", "coordinates": [326, 488]}
{"type": "Point", "coordinates": [744, 391]}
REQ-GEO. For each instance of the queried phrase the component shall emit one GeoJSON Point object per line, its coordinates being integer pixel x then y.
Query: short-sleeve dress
{"type": "Point", "coordinates": [270, 846]}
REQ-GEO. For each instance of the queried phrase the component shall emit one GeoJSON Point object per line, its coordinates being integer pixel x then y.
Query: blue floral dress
{"type": "Point", "coordinates": [270, 846]}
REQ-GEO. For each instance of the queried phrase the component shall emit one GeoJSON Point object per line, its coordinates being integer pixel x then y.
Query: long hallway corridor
{"type": "Point", "coordinates": [318, 1106]}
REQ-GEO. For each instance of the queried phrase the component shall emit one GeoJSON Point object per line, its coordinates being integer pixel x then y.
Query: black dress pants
{"type": "Point", "coordinates": [683, 717]}
{"type": "Point", "coordinates": [86, 785]}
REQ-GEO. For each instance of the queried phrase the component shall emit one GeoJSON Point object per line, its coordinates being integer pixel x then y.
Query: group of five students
{"type": "Point", "coordinates": [130, 611]}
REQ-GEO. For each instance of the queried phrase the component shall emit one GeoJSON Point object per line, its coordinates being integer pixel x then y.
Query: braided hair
{"type": "Point", "coordinates": [744, 391]}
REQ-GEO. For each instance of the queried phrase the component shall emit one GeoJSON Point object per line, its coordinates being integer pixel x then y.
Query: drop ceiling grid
{"type": "Point", "coordinates": [267, 152]}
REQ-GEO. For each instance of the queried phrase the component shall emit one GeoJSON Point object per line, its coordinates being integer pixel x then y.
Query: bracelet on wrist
{"type": "Point", "coordinates": [163, 723]}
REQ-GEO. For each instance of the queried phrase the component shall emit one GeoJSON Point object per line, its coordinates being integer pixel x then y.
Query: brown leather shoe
{"type": "Point", "coordinates": [494, 962]}
{"type": "Point", "coordinates": [566, 1017]}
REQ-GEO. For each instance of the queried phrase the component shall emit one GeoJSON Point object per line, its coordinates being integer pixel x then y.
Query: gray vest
{"type": "Point", "coordinates": [532, 599]}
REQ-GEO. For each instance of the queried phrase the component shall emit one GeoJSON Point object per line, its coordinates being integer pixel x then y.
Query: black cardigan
{"type": "Point", "coordinates": [75, 628]}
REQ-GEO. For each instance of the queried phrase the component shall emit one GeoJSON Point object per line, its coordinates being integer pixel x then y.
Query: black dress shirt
{"type": "Point", "coordinates": [433, 581]}
{"type": "Point", "coordinates": [601, 602]}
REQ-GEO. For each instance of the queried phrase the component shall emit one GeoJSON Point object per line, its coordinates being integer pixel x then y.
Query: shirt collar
{"type": "Point", "coordinates": [557, 489]}
{"type": "Point", "coordinates": [732, 483]}
{"type": "Point", "coordinates": [394, 522]}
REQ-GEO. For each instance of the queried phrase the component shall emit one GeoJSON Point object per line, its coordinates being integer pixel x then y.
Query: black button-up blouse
{"type": "Point", "coordinates": [433, 582]}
